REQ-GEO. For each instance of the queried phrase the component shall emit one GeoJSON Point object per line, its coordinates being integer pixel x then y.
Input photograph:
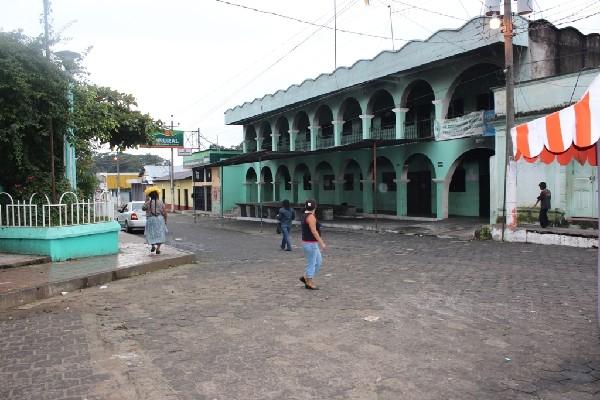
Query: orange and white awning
{"type": "Point", "coordinates": [562, 136]}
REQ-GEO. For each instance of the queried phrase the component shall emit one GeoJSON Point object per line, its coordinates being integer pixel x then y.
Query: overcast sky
{"type": "Point", "coordinates": [196, 58]}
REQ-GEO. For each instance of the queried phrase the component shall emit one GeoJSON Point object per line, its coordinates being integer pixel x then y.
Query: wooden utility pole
{"type": "Point", "coordinates": [510, 99]}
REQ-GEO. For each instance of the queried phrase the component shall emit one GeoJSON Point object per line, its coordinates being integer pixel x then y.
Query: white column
{"type": "Point", "coordinates": [437, 124]}
{"type": "Point", "coordinates": [400, 121]}
{"type": "Point", "coordinates": [337, 132]}
{"type": "Point", "coordinates": [275, 141]}
{"type": "Point", "coordinates": [293, 137]}
{"type": "Point", "coordinates": [366, 125]}
{"type": "Point", "coordinates": [314, 134]}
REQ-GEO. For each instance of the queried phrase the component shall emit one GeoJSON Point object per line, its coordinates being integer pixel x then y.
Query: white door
{"type": "Point", "coordinates": [583, 190]}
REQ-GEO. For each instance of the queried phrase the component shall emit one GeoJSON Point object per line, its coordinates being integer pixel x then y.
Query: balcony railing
{"type": "Point", "coordinates": [323, 143]}
{"type": "Point", "coordinates": [383, 134]}
{"type": "Point", "coordinates": [351, 138]}
{"type": "Point", "coordinates": [302, 145]}
{"type": "Point", "coordinates": [250, 145]}
{"type": "Point", "coordinates": [421, 130]}
{"type": "Point", "coordinates": [283, 145]}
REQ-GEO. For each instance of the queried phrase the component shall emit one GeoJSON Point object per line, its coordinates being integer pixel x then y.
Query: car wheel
{"type": "Point", "coordinates": [127, 228]}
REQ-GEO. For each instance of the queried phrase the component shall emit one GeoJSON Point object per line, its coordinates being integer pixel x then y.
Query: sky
{"type": "Point", "coordinates": [194, 59]}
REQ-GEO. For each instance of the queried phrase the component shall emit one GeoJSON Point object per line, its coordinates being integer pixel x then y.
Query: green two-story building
{"type": "Point", "coordinates": [408, 133]}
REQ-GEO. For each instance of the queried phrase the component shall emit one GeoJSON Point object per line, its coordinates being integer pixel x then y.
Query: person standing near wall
{"type": "Point", "coordinates": [285, 217]}
{"type": "Point", "coordinates": [311, 240]}
{"type": "Point", "coordinates": [544, 200]}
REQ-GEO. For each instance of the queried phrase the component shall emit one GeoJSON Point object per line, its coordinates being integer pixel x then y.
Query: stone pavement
{"type": "Point", "coordinates": [25, 283]}
{"type": "Point", "coordinates": [397, 317]}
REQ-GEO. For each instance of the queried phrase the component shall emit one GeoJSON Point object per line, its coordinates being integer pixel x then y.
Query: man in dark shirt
{"type": "Point", "coordinates": [544, 200]}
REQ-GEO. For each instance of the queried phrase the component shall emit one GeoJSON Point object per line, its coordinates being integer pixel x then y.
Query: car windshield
{"type": "Point", "coordinates": [136, 206]}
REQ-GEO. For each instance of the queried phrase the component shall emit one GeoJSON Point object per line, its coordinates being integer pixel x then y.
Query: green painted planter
{"type": "Point", "coordinates": [62, 243]}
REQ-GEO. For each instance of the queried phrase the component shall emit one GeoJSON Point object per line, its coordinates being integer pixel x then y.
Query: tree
{"type": "Point", "coordinates": [34, 90]}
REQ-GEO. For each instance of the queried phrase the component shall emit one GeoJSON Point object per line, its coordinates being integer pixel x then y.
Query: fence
{"type": "Point", "coordinates": [63, 213]}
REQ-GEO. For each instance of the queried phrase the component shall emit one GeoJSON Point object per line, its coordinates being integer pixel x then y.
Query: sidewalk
{"type": "Point", "coordinates": [458, 228]}
{"type": "Point", "coordinates": [24, 284]}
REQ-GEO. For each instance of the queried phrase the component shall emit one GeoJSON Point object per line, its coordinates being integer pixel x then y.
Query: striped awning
{"type": "Point", "coordinates": [565, 135]}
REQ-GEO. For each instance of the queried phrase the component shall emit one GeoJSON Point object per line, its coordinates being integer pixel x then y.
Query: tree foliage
{"type": "Point", "coordinates": [105, 162]}
{"type": "Point", "coordinates": [32, 92]}
{"type": "Point", "coordinates": [35, 95]}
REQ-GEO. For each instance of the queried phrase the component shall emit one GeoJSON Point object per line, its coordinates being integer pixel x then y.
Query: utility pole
{"type": "Point", "coordinates": [171, 174]}
{"type": "Point", "coordinates": [392, 28]}
{"type": "Point", "coordinates": [50, 124]}
{"type": "Point", "coordinates": [510, 101]}
{"type": "Point", "coordinates": [334, 34]}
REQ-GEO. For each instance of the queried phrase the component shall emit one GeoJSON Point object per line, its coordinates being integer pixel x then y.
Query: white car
{"type": "Point", "coordinates": [131, 216]}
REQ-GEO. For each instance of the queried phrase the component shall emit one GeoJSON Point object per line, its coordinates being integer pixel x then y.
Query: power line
{"type": "Point", "coordinates": [430, 11]}
{"type": "Point", "coordinates": [272, 13]}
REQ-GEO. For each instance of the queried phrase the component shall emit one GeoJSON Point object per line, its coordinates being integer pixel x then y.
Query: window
{"type": "Point", "coordinates": [388, 179]}
{"type": "Point", "coordinates": [163, 195]}
{"type": "Point", "coordinates": [388, 120]}
{"type": "Point", "coordinates": [458, 183]}
{"type": "Point", "coordinates": [306, 182]}
{"type": "Point", "coordinates": [328, 182]}
{"type": "Point", "coordinates": [198, 177]}
{"type": "Point", "coordinates": [348, 182]}
{"type": "Point", "coordinates": [208, 175]}
{"type": "Point", "coordinates": [361, 182]}
{"type": "Point", "coordinates": [287, 184]}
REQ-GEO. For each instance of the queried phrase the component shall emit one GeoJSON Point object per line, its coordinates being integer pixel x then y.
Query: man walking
{"type": "Point", "coordinates": [544, 200]}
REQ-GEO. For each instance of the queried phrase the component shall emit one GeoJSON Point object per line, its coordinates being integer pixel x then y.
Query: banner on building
{"type": "Point", "coordinates": [472, 124]}
{"type": "Point", "coordinates": [184, 152]}
{"type": "Point", "coordinates": [167, 138]}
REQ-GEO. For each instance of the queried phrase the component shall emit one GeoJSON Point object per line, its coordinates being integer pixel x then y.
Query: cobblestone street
{"type": "Point", "coordinates": [397, 317]}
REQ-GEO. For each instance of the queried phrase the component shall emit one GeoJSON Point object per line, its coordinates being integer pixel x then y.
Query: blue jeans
{"type": "Point", "coordinates": [313, 258]}
{"type": "Point", "coordinates": [285, 240]}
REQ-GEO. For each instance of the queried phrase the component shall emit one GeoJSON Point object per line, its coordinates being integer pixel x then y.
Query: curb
{"type": "Point", "coordinates": [18, 297]}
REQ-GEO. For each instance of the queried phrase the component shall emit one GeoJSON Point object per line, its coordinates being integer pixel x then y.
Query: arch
{"type": "Point", "coordinates": [283, 183]}
{"type": "Point", "coordinates": [250, 138]}
{"type": "Point", "coordinates": [324, 187]}
{"type": "Point", "coordinates": [350, 112]}
{"type": "Point", "coordinates": [472, 90]}
{"type": "Point", "coordinates": [418, 98]}
{"type": "Point", "coordinates": [282, 128]}
{"type": "Point", "coordinates": [384, 184]}
{"type": "Point", "coordinates": [351, 178]}
{"type": "Point", "coordinates": [301, 124]}
{"type": "Point", "coordinates": [266, 179]}
{"type": "Point", "coordinates": [323, 119]}
{"type": "Point", "coordinates": [380, 106]}
{"type": "Point", "coordinates": [302, 183]}
{"type": "Point", "coordinates": [467, 184]}
{"type": "Point", "coordinates": [251, 186]}
{"type": "Point", "coordinates": [418, 173]}
{"type": "Point", "coordinates": [267, 135]}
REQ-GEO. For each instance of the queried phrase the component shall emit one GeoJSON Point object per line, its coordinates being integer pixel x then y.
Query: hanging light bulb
{"type": "Point", "coordinates": [495, 23]}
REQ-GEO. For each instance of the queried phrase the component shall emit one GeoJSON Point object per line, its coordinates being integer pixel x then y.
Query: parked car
{"type": "Point", "coordinates": [131, 216]}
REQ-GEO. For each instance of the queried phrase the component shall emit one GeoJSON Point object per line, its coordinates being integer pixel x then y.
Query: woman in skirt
{"type": "Point", "coordinates": [156, 220]}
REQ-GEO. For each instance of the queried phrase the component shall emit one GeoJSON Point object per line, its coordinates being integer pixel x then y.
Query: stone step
{"type": "Point", "coordinates": [8, 260]}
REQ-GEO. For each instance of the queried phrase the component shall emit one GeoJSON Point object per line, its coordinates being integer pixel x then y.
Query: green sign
{"type": "Point", "coordinates": [168, 138]}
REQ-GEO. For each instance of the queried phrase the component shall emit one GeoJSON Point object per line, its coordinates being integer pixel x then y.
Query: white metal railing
{"type": "Point", "coordinates": [46, 214]}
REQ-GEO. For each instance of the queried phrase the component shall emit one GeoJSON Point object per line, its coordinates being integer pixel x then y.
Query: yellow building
{"type": "Point", "coordinates": [183, 185]}
{"type": "Point", "coordinates": [124, 180]}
